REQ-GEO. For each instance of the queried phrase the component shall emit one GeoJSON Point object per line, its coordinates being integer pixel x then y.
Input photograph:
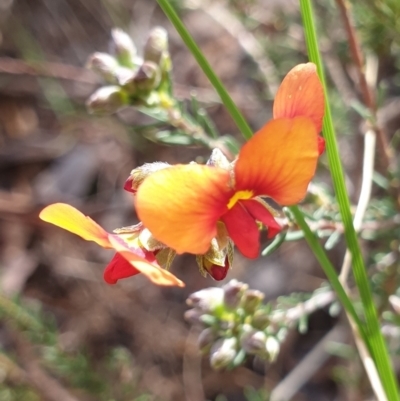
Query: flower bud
{"type": "Point", "coordinates": [206, 300]}
{"type": "Point", "coordinates": [138, 175]}
{"type": "Point", "coordinates": [223, 353]}
{"type": "Point", "coordinates": [233, 293]}
{"type": "Point", "coordinates": [253, 342]}
{"type": "Point", "coordinates": [123, 48]}
{"type": "Point", "coordinates": [218, 259]}
{"type": "Point", "coordinates": [272, 346]}
{"type": "Point", "coordinates": [103, 65]}
{"type": "Point", "coordinates": [156, 45]}
{"type": "Point", "coordinates": [216, 271]}
{"type": "Point", "coordinates": [106, 100]}
{"type": "Point", "coordinates": [206, 339]}
{"type": "Point", "coordinates": [193, 316]}
{"type": "Point", "coordinates": [251, 300]}
{"type": "Point", "coordinates": [147, 77]}
{"type": "Point", "coordinates": [260, 319]}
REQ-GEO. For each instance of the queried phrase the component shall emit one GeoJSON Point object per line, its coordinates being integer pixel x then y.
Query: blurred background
{"type": "Point", "coordinates": [65, 335]}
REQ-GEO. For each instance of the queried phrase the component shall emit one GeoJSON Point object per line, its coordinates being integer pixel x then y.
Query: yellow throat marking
{"type": "Point", "coordinates": [239, 195]}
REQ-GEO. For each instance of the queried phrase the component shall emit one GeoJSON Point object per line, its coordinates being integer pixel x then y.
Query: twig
{"type": "Point", "coordinates": [367, 93]}
{"type": "Point", "coordinates": [318, 301]}
{"type": "Point", "coordinates": [311, 363]}
{"type": "Point", "coordinates": [368, 169]}
{"type": "Point", "coordinates": [47, 69]}
{"type": "Point", "coordinates": [191, 371]}
{"type": "Point", "coordinates": [365, 194]}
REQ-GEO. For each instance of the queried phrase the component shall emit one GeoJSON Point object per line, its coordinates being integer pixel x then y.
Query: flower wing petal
{"type": "Point", "coordinates": [259, 212]}
{"type": "Point", "coordinates": [147, 266]}
{"type": "Point", "coordinates": [118, 268]}
{"type": "Point", "coordinates": [71, 219]}
{"type": "Point", "coordinates": [301, 94]}
{"type": "Point", "coordinates": [180, 205]}
{"type": "Point", "coordinates": [279, 161]}
{"type": "Point", "coordinates": [243, 230]}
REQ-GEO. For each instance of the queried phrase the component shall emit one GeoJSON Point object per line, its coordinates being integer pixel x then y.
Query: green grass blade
{"type": "Point", "coordinates": [377, 344]}
{"type": "Point", "coordinates": [207, 69]}
{"type": "Point", "coordinates": [328, 268]}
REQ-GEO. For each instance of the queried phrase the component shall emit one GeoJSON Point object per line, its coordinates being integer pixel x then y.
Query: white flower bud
{"type": "Point", "coordinates": [223, 352]}
{"type": "Point", "coordinates": [272, 346]}
{"type": "Point", "coordinates": [206, 300]}
{"type": "Point", "coordinates": [103, 65]}
{"type": "Point", "coordinates": [123, 47]}
{"type": "Point", "coordinates": [106, 100]}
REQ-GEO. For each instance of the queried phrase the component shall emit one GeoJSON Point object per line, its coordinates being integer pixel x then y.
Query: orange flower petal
{"type": "Point", "coordinates": [180, 205]}
{"type": "Point", "coordinates": [154, 273]}
{"type": "Point", "coordinates": [301, 94]}
{"type": "Point", "coordinates": [279, 161]}
{"type": "Point", "coordinates": [71, 219]}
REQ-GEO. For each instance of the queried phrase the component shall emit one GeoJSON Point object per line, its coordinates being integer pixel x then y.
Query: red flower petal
{"type": "Point", "coordinates": [321, 145]}
{"type": "Point", "coordinates": [118, 268]}
{"type": "Point", "coordinates": [279, 161]}
{"type": "Point", "coordinates": [181, 205]}
{"type": "Point", "coordinates": [301, 94]}
{"type": "Point", "coordinates": [243, 230]}
{"type": "Point", "coordinates": [128, 185]}
{"type": "Point", "coordinates": [148, 266]}
{"type": "Point", "coordinates": [262, 214]}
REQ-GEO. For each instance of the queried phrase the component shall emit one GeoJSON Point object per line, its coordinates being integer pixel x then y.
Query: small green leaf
{"type": "Point", "coordinates": [275, 244]}
{"type": "Point", "coordinates": [332, 240]}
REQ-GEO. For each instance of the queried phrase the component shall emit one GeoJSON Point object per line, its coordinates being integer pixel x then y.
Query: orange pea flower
{"type": "Point", "coordinates": [131, 257]}
{"type": "Point", "coordinates": [181, 205]}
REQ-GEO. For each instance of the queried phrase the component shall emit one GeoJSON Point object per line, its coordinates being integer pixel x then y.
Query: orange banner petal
{"type": "Point", "coordinates": [180, 205]}
{"type": "Point", "coordinates": [279, 161]}
{"type": "Point", "coordinates": [71, 219]}
{"type": "Point", "coordinates": [301, 94]}
{"type": "Point", "coordinates": [154, 273]}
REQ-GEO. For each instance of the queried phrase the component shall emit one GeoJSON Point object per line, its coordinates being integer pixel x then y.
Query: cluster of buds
{"type": "Point", "coordinates": [131, 79]}
{"type": "Point", "coordinates": [235, 324]}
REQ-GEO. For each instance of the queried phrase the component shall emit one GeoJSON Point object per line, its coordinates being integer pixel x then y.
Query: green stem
{"type": "Point", "coordinates": [207, 69]}
{"type": "Point", "coordinates": [377, 344]}
{"type": "Point", "coordinates": [328, 268]}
